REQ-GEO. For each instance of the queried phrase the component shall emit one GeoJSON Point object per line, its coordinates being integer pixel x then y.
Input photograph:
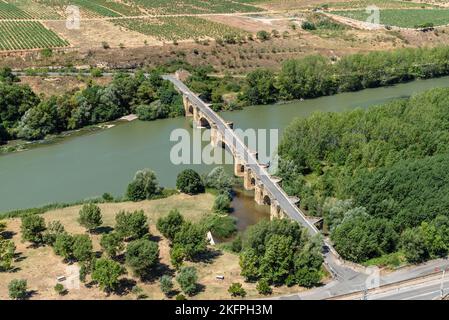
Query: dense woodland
{"type": "Point", "coordinates": [25, 115]}
{"type": "Point", "coordinates": [378, 176]}
{"type": "Point", "coordinates": [316, 75]}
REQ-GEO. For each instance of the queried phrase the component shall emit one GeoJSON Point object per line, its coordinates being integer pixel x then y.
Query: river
{"type": "Point", "coordinates": [85, 166]}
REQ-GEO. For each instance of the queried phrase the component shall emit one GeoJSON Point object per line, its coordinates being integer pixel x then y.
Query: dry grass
{"type": "Point", "coordinates": [40, 267]}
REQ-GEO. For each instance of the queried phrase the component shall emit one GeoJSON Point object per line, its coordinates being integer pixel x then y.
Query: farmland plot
{"type": "Point", "coordinates": [17, 35]}
{"type": "Point", "coordinates": [10, 11]}
{"type": "Point", "coordinates": [194, 6]}
{"type": "Point", "coordinates": [35, 9]}
{"type": "Point", "coordinates": [406, 18]}
{"type": "Point", "coordinates": [178, 28]}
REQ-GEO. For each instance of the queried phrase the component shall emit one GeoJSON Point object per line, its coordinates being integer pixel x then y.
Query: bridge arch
{"type": "Point", "coordinates": [267, 200]}
{"type": "Point", "coordinates": [204, 123]}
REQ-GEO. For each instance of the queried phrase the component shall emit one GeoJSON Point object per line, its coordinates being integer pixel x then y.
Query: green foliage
{"type": "Point", "coordinates": [170, 225]}
{"type": "Point", "coordinates": [222, 204]}
{"type": "Point", "coordinates": [82, 248]}
{"type": "Point", "coordinates": [263, 287]}
{"type": "Point", "coordinates": [106, 273]}
{"type": "Point", "coordinates": [112, 244]}
{"type": "Point", "coordinates": [18, 289]}
{"type": "Point", "coordinates": [192, 239]}
{"type": "Point", "coordinates": [263, 35]}
{"type": "Point", "coordinates": [220, 226]}
{"type": "Point", "coordinates": [131, 225]}
{"type": "Point", "coordinates": [144, 186]}
{"type": "Point", "coordinates": [142, 255]}
{"type": "Point", "coordinates": [54, 228]}
{"type": "Point", "coordinates": [177, 256]}
{"type": "Point", "coordinates": [59, 288]}
{"type": "Point", "coordinates": [7, 252]}
{"type": "Point", "coordinates": [166, 283]}
{"type": "Point", "coordinates": [307, 25]}
{"type": "Point", "coordinates": [190, 182]}
{"type": "Point", "coordinates": [236, 290]}
{"type": "Point", "coordinates": [220, 180]}
{"type": "Point", "coordinates": [187, 279]}
{"type": "Point", "coordinates": [385, 160]}
{"type": "Point", "coordinates": [63, 246]}
{"type": "Point", "coordinates": [260, 87]}
{"type": "Point", "coordinates": [90, 216]}
{"type": "Point", "coordinates": [276, 250]}
{"type": "Point", "coordinates": [32, 228]}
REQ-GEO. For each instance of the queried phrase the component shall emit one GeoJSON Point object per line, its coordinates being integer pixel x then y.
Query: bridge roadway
{"type": "Point", "coordinates": [233, 141]}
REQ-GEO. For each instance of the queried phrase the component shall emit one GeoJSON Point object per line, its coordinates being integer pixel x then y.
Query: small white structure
{"type": "Point", "coordinates": [210, 239]}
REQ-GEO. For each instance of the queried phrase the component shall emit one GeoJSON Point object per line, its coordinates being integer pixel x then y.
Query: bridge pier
{"type": "Point", "coordinates": [276, 211]}
{"type": "Point", "coordinates": [239, 168]}
{"type": "Point", "coordinates": [249, 181]}
{"type": "Point", "coordinates": [188, 107]}
{"type": "Point", "coordinates": [258, 193]}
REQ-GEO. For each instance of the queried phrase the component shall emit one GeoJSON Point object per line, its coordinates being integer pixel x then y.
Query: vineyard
{"type": "Point", "coordinates": [178, 28]}
{"type": "Point", "coordinates": [20, 35]}
{"type": "Point", "coordinates": [406, 18]}
{"type": "Point", "coordinates": [10, 11]}
{"type": "Point", "coordinates": [34, 9]}
{"type": "Point", "coordinates": [194, 6]}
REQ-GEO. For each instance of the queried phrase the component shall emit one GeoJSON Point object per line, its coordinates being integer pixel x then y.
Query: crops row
{"type": "Point", "coordinates": [35, 9]}
{"type": "Point", "coordinates": [17, 35]}
{"type": "Point", "coordinates": [193, 6]}
{"type": "Point", "coordinates": [362, 4]}
{"type": "Point", "coordinates": [406, 18]}
{"type": "Point", "coordinates": [178, 28]}
{"type": "Point", "coordinates": [10, 11]}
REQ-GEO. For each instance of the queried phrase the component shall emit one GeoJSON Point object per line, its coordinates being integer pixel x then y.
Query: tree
{"type": "Point", "coordinates": [63, 246]}
{"type": "Point", "coordinates": [263, 35]}
{"type": "Point", "coordinates": [166, 284]}
{"type": "Point", "coordinates": [7, 251]}
{"type": "Point", "coordinates": [263, 287]}
{"type": "Point", "coordinates": [144, 186]}
{"type": "Point", "coordinates": [60, 289]}
{"type": "Point", "coordinates": [192, 239]}
{"type": "Point", "coordinates": [189, 182]}
{"type": "Point", "coordinates": [106, 273]}
{"type": "Point", "coordinates": [236, 290]}
{"type": "Point", "coordinates": [177, 256]}
{"type": "Point", "coordinates": [90, 217]}
{"type": "Point", "coordinates": [413, 245]}
{"type": "Point", "coordinates": [277, 261]}
{"type": "Point", "coordinates": [4, 136]}
{"type": "Point", "coordinates": [187, 279]}
{"type": "Point", "coordinates": [220, 180]}
{"type": "Point", "coordinates": [32, 228]}
{"type": "Point", "coordinates": [141, 255]}
{"type": "Point", "coordinates": [170, 225]}
{"type": "Point", "coordinates": [54, 228]}
{"type": "Point", "coordinates": [219, 225]}
{"type": "Point", "coordinates": [18, 289]}
{"type": "Point", "coordinates": [131, 225]}
{"type": "Point", "coordinates": [112, 244]}
{"type": "Point", "coordinates": [249, 264]}
{"type": "Point", "coordinates": [222, 204]}
{"type": "Point", "coordinates": [82, 248]}
{"type": "Point", "coordinates": [260, 87]}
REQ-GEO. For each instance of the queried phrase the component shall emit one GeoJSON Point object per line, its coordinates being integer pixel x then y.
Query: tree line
{"type": "Point", "coordinates": [315, 75]}
{"type": "Point", "coordinates": [25, 115]}
{"type": "Point", "coordinates": [378, 176]}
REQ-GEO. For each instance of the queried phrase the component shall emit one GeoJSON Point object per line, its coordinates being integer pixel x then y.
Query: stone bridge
{"type": "Point", "coordinates": [267, 188]}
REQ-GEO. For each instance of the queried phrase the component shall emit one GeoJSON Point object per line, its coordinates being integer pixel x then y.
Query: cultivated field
{"type": "Point", "coordinates": [406, 18]}
{"type": "Point", "coordinates": [179, 28]}
{"type": "Point", "coordinates": [40, 267]}
{"type": "Point", "coordinates": [19, 35]}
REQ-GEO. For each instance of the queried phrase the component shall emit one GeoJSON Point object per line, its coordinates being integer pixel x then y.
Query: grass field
{"type": "Point", "coordinates": [18, 35]}
{"type": "Point", "coordinates": [178, 28]}
{"type": "Point", "coordinates": [40, 266]}
{"type": "Point", "coordinates": [406, 18]}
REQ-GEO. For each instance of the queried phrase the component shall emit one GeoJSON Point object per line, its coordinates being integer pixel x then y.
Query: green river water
{"type": "Point", "coordinates": [85, 166]}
